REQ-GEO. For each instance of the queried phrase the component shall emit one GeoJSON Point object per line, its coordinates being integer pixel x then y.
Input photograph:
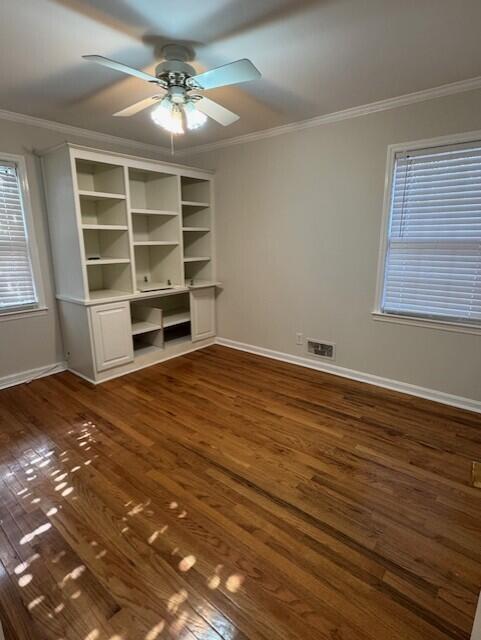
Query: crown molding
{"type": "Point", "coordinates": [71, 130]}
{"type": "Point", "coordinates": [353, 112]}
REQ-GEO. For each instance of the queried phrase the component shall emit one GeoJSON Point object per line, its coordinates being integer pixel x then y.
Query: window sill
{"type": "Point", "coordinates": [20, 314]}
{"type": "Point", "coordinates": [427, 323]}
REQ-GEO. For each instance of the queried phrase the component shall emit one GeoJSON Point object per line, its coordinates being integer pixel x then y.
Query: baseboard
{"type": "Point", "coordinates": [31, 374]}
{"type": "Point", "coordinates": [359, 376]}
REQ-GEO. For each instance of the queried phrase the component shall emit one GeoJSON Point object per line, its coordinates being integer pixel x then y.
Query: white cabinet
{"type": "Point", "coordinates": [202, 309]}
{"type": "Point", "coordinates": [111, 328]}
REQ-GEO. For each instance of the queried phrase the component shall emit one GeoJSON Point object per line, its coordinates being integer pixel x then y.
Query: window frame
{"type": "Point", "coordinates": [414, 320]}
{"type": "Point", "coordinates": [14, 313]}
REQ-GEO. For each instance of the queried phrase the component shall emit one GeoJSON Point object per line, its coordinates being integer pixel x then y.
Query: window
{"type": "Point", "coordinates": [17, 286]}
{"type": "Point", "coordinates": [431, 265]}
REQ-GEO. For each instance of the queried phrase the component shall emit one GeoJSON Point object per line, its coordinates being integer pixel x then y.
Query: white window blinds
{"type": "Point", "coordinates": [17, 289]}
{"type": "Point", "coordinates": [433, 259]}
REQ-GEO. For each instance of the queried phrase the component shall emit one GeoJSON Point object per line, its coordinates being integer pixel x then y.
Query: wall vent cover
{"type": "Point", "coordinates": [321, 349]}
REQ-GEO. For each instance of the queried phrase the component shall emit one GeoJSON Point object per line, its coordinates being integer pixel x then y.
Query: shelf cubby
{"type": "Point", "coordinates": [158, 264]}
{"type": "Point", "coordinates": [99, 178]}
{"type": "Point", "coordinates": [152, 192]}
{"type": "Point", "coordinates": [105, 211]}
{"type": "Point", "coordinates": [177, 334]}
{"type": "Point", "coordinates": [108, 280]}
{"type": "Point", "coordinates": [102, 244]}
{"type": "Point", "coordinates": [175, 309]}
{"type": "Point", "coordinates": [147, 330]}
{"type": "Point", "coordinates": [197, 271]}
{"type": "Point", "coordinates": [197, 245]}
{"type": "Point", "coordinates": [150, 228]}
{"type": "Point", "coordinates": [195, 190]}
{"type": "Point", "coordinates": [196, 216]}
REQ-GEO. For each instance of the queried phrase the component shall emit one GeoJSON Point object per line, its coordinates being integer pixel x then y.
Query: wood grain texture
{"type": "Point", "coordinates": [223, 496]}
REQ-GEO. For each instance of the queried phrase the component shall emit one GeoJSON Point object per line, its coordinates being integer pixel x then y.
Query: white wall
{"type": "Point", "coordinates": [298, 224]}
{"type": "Point", "coordinates": [34, 342]}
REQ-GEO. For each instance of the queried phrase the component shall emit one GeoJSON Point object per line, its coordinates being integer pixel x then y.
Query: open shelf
{"type": "Point", "coordinates": [175, 316]}
{"type": "Point", "coordinates": [109, 279]}
{"type": "Point", "coordinates": [158, 263]}
{"type": "Point", "coordinates": [169, 311]}
{"type": "Point", "coordinates": [105, 227]}
{"type": "Point", "coordinates": [197, 272]}
{"type": "Point", "coordinates": [102, 179]}
{"type": "Point", "coordinates": [105, 180]}
{"type": "Point", "coordinates": [155, 243]}
{"type": "Point", "coordinates": [177, 341]}
{"type": "Point", "coordinates": [195, 191]}
{"type": "Point", "coordinates": [155, 230]}
{"type": "Point", "coordinates": [147, 330]}
{"type": "Point", "coordinates": [154, 212]}
{"type": "Point", "coordinates": [153, 191]}
{"type": "Point", "coordinates": [107, 261]}
{"type": "Point", "coordinates": [196, 259]}
{"type": "Point", "coordinates": [196, 217]}
{"type": "Point", "coordinates": [195, 229]}
{"type": "Point", "coordinates": [139, 327]}
{"type": "Point", "coordinates": [177, 333]}
{"type": "Point", "coordinates": [103, 245]}
{"type": "Point", "coordinates": [103, 211]}
{"type": "Point", "coordinates": [99, 195]}
{"type": "Point", "coordinates": [194, 203]}
{"type": "Point", "coordinates": [144, 349]}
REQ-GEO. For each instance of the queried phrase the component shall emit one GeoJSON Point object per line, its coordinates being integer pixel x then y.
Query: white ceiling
{"type": "Point", "coordinates": [316, 56]}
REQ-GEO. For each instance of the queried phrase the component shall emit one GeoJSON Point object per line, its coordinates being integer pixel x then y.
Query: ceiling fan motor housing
{"type": "Point", "coordinates": [174, 72]}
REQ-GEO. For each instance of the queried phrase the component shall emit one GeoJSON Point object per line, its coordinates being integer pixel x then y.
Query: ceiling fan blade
{"type": "Point", "coordinates": [216, 111]}
{"type": "Point", "coordinates": [118, 66]}
{"type": "Point", "coordinates": [232, 73]}
{"type": "Point", "coordinates": [138, 106]}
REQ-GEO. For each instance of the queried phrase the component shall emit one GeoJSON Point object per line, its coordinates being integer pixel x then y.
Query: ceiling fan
{"type": "Point", "coordinates": [179, 100]}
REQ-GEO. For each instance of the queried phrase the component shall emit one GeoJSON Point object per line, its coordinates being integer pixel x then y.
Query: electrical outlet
{"type": "Point", "coordinates": [299, 338]}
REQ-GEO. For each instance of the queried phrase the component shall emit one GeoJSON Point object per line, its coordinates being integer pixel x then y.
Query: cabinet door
{"type": "Point", "coordinates": [202, 311]}
{"type": "Point", "coordinates": [112, 334]}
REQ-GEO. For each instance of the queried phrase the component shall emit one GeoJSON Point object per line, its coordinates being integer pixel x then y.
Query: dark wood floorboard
{"type": "Point", "coordinates": [224, 496]}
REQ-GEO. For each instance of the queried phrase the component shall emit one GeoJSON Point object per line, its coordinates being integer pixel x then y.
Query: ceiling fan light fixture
{"type": "Point", "coordinates": [194, 117]}
{"type": "Point", "coordinates": [168, 116]}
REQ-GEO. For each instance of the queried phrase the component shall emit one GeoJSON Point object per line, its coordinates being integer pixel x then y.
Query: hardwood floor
{"type": "Point", "coordinates": [226, 496]}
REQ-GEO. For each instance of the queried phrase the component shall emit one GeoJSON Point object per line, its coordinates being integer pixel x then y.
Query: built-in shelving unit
{"type": "Point", "coordinates": [132, 241]}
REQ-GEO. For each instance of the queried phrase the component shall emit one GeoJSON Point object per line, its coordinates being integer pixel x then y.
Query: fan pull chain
{"type": "Point", "coordinates": [172, 150]}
